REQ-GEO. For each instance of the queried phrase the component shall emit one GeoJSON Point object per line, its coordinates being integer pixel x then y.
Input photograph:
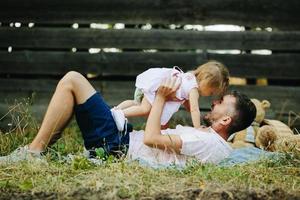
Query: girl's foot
{"type": "Point", "coordinates": [119, 118]}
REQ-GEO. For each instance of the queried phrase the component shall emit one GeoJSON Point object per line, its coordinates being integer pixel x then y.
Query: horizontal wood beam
{"type": "Point", "coordinates": [146, 39]}
{"type": "Point", "coordinates": [261, 13]}
{"type": "Point", "coordinates": [280, 66]}
{"type": "Point", "coordinates": [283, 99]}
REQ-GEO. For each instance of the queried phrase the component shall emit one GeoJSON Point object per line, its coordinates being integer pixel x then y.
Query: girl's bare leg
{"type": "Point", "coordinates": [126, 104]}
{"type": "Point", "coordinates": [72, 89]}
{"type": "Point", "coordinates": [138, 110]}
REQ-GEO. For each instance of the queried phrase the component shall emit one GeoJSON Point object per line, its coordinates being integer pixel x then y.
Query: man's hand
{"type": "Point", "coordinates": [168, 88]}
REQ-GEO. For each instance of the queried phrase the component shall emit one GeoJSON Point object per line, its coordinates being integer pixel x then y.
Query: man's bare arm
{"type": "Point", "coordinates": [153, 136]}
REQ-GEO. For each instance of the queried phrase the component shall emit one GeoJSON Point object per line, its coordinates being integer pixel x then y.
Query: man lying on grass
{"type": "Point", "coordinates": [74, 93]}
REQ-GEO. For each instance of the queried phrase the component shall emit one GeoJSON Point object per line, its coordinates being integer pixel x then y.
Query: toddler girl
{"type": "Point", "coordinates": [211, 78]}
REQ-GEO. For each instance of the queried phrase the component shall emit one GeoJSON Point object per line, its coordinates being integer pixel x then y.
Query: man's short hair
{"type": "Point", "coordinates": [245, 112]}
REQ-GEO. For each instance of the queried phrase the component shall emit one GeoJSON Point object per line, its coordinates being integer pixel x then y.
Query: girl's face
{"type": "Point", "coordinates": [206, 90]}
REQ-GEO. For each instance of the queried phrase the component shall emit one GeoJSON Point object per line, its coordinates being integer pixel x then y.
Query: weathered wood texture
{"type": "Point", "coordinates": [264, 13]}
{"type": "Point", "coordinates": [281, 66]}
{"type": "Point", "coordinates": [45, 50]}
{"type": "Point", "coordinates": [283, 99]}
{"type": "Point", "coordinates": [146, 39]}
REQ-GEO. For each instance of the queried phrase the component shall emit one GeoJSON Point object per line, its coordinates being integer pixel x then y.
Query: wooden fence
{"type": "Point", "coordinates": [46, 46]}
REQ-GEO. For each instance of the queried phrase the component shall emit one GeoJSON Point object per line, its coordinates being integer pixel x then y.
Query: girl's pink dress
{"type": "Point", "coordinates": [150, 80]}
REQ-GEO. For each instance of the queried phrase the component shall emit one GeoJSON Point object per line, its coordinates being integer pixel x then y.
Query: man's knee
{"type": "Point", "coordinates": [69, 80]}
{"type": "Point", "coordinates": [73, 75]}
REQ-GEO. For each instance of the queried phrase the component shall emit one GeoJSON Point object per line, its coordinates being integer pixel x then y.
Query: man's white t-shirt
{"type": "Point", "coordinates": [204, 146]}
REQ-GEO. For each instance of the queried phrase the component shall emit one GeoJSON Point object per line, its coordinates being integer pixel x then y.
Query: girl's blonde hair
{"type": "Point", "coordinates": [215, 75]}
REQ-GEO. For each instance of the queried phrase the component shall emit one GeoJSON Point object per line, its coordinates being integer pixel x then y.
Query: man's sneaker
{"type": "Point", "coordinates": [119, 118]}
{"type": "Point", "coordinates": [20, 154]}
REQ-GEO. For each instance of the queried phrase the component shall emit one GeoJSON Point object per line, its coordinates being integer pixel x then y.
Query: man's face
{"type": "Point", "coordinates": [220, 108]}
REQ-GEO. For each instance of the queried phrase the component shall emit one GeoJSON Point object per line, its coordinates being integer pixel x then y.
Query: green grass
{"type": "Point", "coordinates": [130, 180]}
{"type": "Point", "coordinates": [121, 179]}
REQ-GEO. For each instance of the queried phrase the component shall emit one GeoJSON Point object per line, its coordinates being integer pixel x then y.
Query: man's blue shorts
{"type": "Point", "coordinates": [98, 127]}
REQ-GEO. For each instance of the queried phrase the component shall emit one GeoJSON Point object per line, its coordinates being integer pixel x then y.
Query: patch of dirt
{"type": "Point", "coordinates": [207, 194]}
{"type": "Point", "coordinates": [17, 194]}
{"type": "Point", "coordinates": [221, 194]}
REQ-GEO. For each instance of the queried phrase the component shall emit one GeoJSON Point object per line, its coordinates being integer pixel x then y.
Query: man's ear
{"type": "Point", "coordinates": [226, 120]}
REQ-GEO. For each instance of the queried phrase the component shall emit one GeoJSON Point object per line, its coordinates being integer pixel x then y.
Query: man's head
{"type": "Point", "coordinates": [231, 113]}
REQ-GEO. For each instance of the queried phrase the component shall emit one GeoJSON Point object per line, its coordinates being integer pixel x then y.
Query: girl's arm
{"type": "Point", "coordinates": [194, 107]}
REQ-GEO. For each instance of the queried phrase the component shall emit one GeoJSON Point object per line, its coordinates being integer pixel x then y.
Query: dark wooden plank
{"type": "Point", "coordinates": [283, 99]}
{"type": "Point", "coordinates": [264, 13]}
{"type": "Point", "coordinates": [281, 66]}
{"type": "Point", "coordinates": [147, 39]}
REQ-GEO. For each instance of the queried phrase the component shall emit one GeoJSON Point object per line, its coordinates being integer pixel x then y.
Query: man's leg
{"type": "Point", "coordinates": [72, 89]}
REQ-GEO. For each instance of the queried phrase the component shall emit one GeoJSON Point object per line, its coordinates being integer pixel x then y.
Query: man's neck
{"type": "Point", "coordinates": [220, 132]}
{"type": "Point", "coordinates": [223, 135]}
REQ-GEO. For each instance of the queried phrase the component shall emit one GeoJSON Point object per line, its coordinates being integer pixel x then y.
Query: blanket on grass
{"type": "Point", "coordinates": [237, 156]}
